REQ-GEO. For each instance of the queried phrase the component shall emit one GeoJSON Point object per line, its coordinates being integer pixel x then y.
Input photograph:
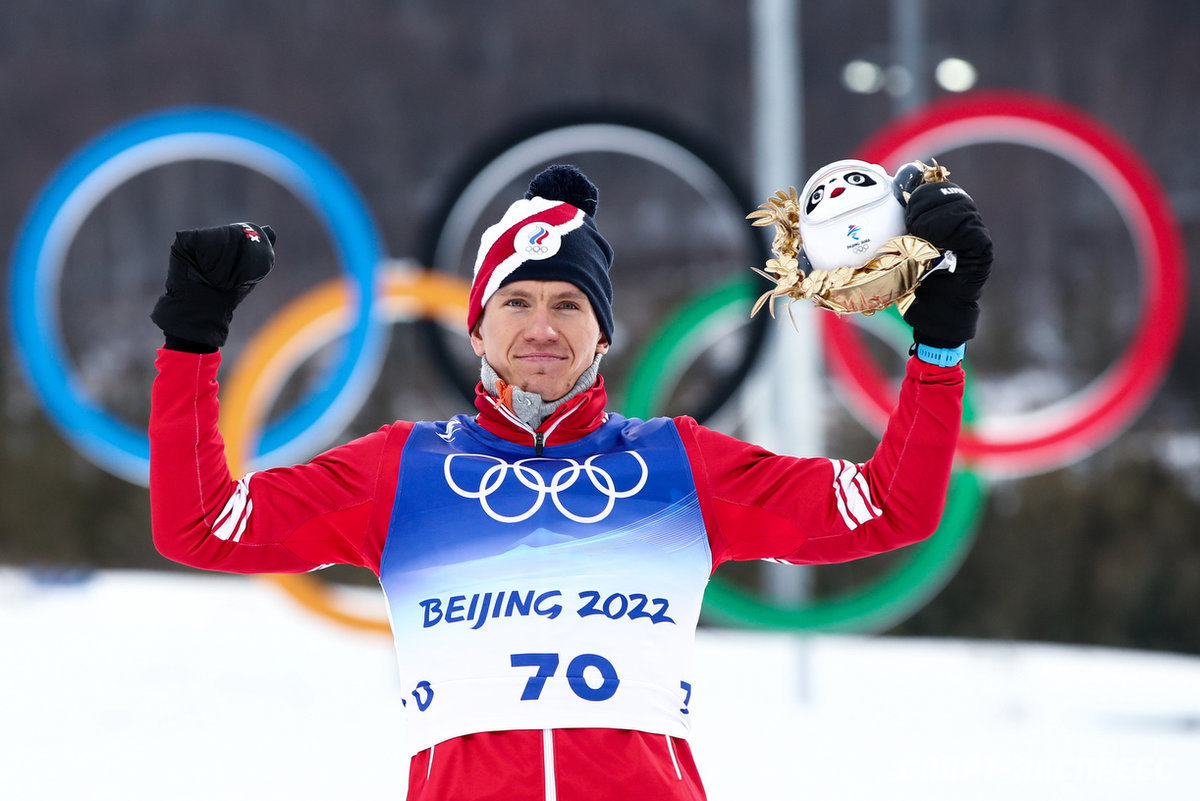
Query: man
{"type": "Point", "coordinates": [544, 560]}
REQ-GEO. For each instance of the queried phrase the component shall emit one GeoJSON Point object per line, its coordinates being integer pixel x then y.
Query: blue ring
{"type": "Point", "coordinates": [180, 135]}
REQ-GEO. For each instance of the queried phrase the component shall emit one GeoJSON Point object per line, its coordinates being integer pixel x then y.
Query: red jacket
{"type": "Point", "coordinates": [336, 509]}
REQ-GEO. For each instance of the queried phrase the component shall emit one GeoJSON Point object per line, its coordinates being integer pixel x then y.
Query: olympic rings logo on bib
{"type": "Point", "coordinates": [494, 477]}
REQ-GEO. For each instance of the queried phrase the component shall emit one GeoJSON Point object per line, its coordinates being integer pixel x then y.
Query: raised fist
{"type": "Point", "coordinates": [211, 270]}
{"type": "Point", "coordinates": [945, 310]}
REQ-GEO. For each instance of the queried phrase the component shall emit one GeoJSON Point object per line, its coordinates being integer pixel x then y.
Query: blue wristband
{"type": "Point", "coordinates": [943, 357]}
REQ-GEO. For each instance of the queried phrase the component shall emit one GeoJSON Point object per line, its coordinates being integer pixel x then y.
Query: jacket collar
{"type": "Point", "coordinates": [576, 418]}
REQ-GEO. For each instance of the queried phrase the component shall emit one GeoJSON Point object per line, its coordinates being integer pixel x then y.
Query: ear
{"type": "Point", "coordinates": [603, 345]}
{"type": "Point", "coordinates": [477, 341]}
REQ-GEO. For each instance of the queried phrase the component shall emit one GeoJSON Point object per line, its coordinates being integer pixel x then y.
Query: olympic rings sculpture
{"type": "Point", "coordinates": [376, 291]}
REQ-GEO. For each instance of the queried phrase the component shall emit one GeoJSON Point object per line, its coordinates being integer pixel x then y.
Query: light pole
{"type": "Point", "coordinates": [789, 375]}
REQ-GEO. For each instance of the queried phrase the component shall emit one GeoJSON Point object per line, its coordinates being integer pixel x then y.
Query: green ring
{"type": "Point", "coordinates": [882, 603]}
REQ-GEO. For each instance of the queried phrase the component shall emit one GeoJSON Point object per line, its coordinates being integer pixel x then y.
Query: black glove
{"type": "Point", "coordinates": [945, 308]}
{"type": "Point", "coordinates": [210, 272]}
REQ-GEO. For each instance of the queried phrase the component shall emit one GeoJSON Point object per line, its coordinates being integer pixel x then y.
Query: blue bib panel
{"type": "Point", "coordinates": [552, 591]}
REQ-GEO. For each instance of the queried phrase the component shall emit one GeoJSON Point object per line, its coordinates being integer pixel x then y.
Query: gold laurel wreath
{"type": "Point", "coordinates": [890, 277]}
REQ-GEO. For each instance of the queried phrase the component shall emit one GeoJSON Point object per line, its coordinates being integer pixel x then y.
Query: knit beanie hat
{"type": "Point", "coordinates": [549, 235]}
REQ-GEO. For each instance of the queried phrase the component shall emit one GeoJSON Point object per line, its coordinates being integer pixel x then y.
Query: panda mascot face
{"type": "Point", "coordinates": [849, 210]}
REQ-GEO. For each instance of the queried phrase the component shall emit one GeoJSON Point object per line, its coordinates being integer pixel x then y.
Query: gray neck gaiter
{"type": "Point", "coordinates": [530, 407]}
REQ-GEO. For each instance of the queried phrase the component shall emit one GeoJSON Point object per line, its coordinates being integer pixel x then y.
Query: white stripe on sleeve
{"type": "Point", "coordinates": [231, 522]}
{"type": "Point", "coordinates": [853, 495]}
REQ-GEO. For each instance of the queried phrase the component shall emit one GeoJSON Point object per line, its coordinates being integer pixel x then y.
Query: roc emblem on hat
{"type": "Point", "coordinates": [549, 235]}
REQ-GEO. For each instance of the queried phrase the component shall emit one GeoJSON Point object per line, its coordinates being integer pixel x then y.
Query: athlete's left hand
{"type": "Point", "coordinates": [945, 311]}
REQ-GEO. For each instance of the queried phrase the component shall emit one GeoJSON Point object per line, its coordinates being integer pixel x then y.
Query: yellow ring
{"type": "Point", "coordinates": [278, 348]}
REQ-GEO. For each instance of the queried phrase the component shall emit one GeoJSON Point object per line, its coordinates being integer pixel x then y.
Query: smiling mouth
{"type": "Point", "coordinates": [541, 357]}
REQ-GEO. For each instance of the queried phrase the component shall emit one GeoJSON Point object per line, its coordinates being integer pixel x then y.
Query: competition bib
{"type": "Point", "coordinates": [553, 591]}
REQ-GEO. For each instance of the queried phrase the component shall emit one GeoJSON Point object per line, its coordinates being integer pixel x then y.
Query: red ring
{"type": "Point", "coordinates": [1080, 424]}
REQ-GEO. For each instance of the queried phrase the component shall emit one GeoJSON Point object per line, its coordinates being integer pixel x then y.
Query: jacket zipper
{"type": "Point", "coordinates": [539, 437]}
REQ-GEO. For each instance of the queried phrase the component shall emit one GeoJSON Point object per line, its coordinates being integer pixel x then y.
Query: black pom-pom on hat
{"type": "Point", "coordinates": [566, 183]}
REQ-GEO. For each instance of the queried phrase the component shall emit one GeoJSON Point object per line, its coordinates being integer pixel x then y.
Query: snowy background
{"type": "Point", "coordinates": [138, 685]}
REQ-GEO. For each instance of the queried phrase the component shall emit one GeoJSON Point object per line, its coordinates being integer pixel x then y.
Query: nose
{"type": "Point", "coordinates": [541, 326]}
{"type": "Point", "coordinates": [839, 190]}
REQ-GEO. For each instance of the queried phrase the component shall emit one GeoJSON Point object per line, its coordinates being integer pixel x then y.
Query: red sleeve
{"type": "Point", "coordinates": [759, 505]}
{"type": "Point", "coordinates": [333, 510]}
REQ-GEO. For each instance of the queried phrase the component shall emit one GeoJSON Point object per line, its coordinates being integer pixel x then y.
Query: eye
{"type": "Point", "coordinates": [859, 179]}
{"type": "Point", "coordinates": [815, 197]}
{"type": "Point", "coordinates": [569, 305]}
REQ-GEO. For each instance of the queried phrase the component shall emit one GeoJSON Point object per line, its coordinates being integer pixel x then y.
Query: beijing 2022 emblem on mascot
{"type": "Point", "coordinates": [843, 244]}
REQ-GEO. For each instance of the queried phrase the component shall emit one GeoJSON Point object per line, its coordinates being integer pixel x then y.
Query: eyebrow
{"type": "Point", "coordinates": [567, 294]}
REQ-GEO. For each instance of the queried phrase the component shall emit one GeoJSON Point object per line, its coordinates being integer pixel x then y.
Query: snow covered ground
{"type": "Point", "coordinates": [154, 686]}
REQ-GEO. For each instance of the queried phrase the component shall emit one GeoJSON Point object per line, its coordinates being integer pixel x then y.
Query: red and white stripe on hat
{"type": "Point", "coordinates": [531, 229]}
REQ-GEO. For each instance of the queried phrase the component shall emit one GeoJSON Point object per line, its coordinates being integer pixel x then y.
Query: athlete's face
{"type": "Point", "coordinates": [539, 336]}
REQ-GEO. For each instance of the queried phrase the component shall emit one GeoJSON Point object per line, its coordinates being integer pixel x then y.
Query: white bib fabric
{"type": "Point", "coordinates": [559, 591]}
